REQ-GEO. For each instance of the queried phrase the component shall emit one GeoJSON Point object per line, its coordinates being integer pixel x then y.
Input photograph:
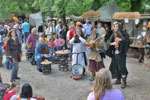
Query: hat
{"type": "Point", "coordinates": [78, 23]}
{"type": "Point", "coordinates": [115, 23]}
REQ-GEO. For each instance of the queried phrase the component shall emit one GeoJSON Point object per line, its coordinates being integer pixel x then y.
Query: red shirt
{"type": "Point", "coordinates": [71, 34]}
{"type": "Point", "coordinates": [4, 47]}
{"type": "Point", "coordinates": [8, 95]}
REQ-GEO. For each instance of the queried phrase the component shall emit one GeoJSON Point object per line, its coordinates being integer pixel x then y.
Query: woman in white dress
{"type": "Point", "coordinates": [79, 49]}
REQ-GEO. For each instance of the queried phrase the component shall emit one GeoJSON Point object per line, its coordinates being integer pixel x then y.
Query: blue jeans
{"type": "Point", "coordinates": [39, 60]}
{"type": "Point", "coordinates": [8, 64]}
{"type": "Point", "coordinates": [1, 54]}
{"type": "Point", "coordinates": [25, 36]}
{"type": "Point", "coordinates": [1, 59]}
{"type": "Point", "coordinates": [14, 71]}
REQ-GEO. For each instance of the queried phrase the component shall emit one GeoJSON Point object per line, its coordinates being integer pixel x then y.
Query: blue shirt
{"type": "Point", "coordinates": [88, 28]}
{"type": "Point", "coordinates": [98, 31]}
{"type": "Point", "coordinates": [38, 49]}
{"type": "Point", "coordinates": [26, 27]}
{"type": "Point", "coordinates": [58, 28]}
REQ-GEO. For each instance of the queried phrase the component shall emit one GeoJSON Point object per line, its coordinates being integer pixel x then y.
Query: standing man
{"type": "Point", "coordinates": [50, 31]}
{"type": "Point", "coordinates": [87, 26]}
{"type": "Point", "coordinates": [58, 27]}
{"type": "Point", "coordinates": [1, 46]}
{"type": "Point", "coordinates": [78, 53]}
{"type": "Point", "coordinates": [42, 51]}
{"type": "Point", "coordinates": [26, 29]}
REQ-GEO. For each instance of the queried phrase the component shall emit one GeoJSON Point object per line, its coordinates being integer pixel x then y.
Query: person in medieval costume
{"type": "Point", "coordinates": [117, 48]}
{"type": "Point", "coordinates": [79, 48]}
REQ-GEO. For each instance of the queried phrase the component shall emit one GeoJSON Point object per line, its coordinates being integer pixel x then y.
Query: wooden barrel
{"type": "Point", "coordinates": [46, 67]}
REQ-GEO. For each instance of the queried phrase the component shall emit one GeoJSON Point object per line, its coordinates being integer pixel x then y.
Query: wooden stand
{"type": "Point", "coordinates": [46, 67]}
{"type": "Point", "coordinates": [63, 65]}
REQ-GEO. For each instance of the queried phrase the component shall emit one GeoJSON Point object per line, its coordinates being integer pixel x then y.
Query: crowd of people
{"type": "Point", "coordinates": [89, 44]}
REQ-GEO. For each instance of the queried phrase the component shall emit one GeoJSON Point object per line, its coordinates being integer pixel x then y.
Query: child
{"type": "Point", "coordinates": [45, 39]}
{"type": "Point", "coordinates": [58, 42]}
{"type": "Point", "coordinates": [49, 44]}
{"type": "Point", "coordinates": [26, 93]}
{"type": "Point", "coordinates": [12, 94]}
{"type": "Point", "coordinates": [3, 88]}
{"type": "Point", "coordinates": [7, 62]}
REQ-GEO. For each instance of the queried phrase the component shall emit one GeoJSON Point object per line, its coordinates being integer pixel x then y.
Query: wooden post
{"type": "Point", "coordinates": [51, 15]}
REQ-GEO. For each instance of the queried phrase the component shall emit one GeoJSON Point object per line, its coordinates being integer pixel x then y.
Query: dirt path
{"type": "Point", "coordinates": [59, 86]}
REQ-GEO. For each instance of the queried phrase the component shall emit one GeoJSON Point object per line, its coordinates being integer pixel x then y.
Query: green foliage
{"type": "Point", "coordinates": [64, 8]}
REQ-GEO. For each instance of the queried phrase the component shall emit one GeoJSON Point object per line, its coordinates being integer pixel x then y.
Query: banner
{"type": "Point", "coordinates": [91, 15]}
{"type": "Point", "coordinates": [127, 15]}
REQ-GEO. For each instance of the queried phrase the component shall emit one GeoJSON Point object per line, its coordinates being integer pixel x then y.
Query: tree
{"type": "Point", "coordinates": [18, 6]}
{"type": "Point", "coordinates": [65, 8]}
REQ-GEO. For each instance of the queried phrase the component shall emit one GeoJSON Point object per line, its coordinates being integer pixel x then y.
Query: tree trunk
{"type": "Point", "coordinates": [64, 18]}
{"type": "Point", "coordinates": [95, 4]}
{"type": "Point", "coordinates": [136, 5]}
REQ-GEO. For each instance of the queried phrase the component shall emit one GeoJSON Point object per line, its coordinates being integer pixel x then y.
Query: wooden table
{"type": "Point", "coordinates": [140, 52]}
{"type": "Point", "coordinates": [63, 65]}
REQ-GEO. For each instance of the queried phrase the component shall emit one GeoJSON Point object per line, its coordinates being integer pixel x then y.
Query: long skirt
{"type": "Point", "coordinates": [118, 66]}
{"type": "Point", "coordinates": [95, 66]}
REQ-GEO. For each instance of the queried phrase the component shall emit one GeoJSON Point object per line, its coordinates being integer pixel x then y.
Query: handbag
{"type": "Point", "coordinates": [29, 45]}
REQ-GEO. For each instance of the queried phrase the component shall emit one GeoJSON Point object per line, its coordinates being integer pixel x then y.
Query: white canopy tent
{"type": "Point", "coordinates": [35, 19]}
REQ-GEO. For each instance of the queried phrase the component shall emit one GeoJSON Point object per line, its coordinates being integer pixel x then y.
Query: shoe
{"type": "Point", "coordinates": [91, 78]}
{"type": "Point", "coordinates": [40, 70]}
{"type": "Point", "coordinates": [18, 78]}
{"type": "Point", "coordinates": [123, 83]}
{"type": "Point", "coordinates": [118, 81]}
{"type": "Point", "coordinates": [83, 71]}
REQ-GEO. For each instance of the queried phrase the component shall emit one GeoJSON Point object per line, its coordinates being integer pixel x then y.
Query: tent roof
{"type": "Point", "coordinates": [107, 12]}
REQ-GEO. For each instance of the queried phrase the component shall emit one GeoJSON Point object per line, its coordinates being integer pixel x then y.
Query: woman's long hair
{"type": "Point", "coordinates": [9, 35]}
{"type": "Point", "coordinates": [119, 34]}
{"type": "Point", "coordinates": [102, 83]}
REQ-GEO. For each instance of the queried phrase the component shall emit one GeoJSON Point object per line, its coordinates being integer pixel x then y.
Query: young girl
{"type": "Point", "coordinates": [26, 93]}
{"type": "Point", "coordinates": [12, 94]}
{"type": "Point", "coordinates": [58, 42]}
{"type": "Point", "coordinates": [45, 39]}
{"type": "Point", "coordinates": [49, 44]}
